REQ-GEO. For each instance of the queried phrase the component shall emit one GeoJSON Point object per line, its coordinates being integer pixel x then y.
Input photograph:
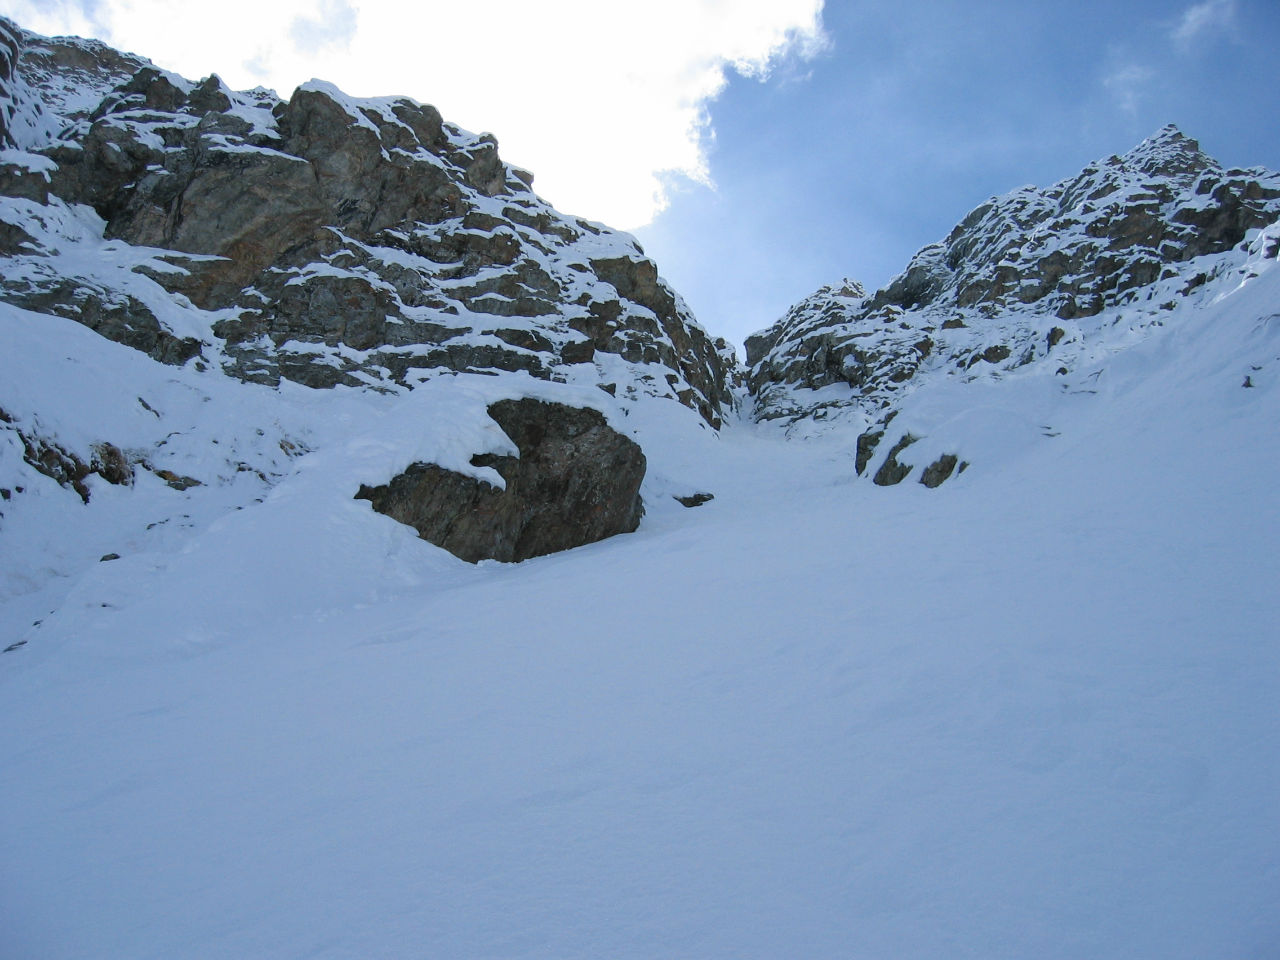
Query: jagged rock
{"type": "Point", "coordinates": [939, 471]}
{"type": "Point", "coordinates": [576, 481]}
{"type": "Point", "coordinates": [891, 471]}
{"type": "Point", "coordinates": [116, 316]}
{"type": "Point", "coordinates": [866, 448]}
{"type": "Point", "coordinates": [58, 464]}
{"type": "Point", "coordinates": [65, 466]}
{"type": "Point", "coordinates": [10, 47]}
{"type": "Point", "coordinates": [176, 480]}
{"type": "Point", "coordinates": [339, 240]}
{"type": "Point", "coordinates": [695, 499]}
{"type": "Point", "coordinates": [110, 462]}
{"type": "Point", "coordinates": [1094, 242]}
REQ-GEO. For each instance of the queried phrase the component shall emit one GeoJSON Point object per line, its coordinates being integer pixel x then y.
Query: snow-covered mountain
{"type": "Point", "coordinates": [321, 239]}
{"type": "Point", "coordinates": [245, 713]}
{"type": "Point", "coordinates": [1040, 283]}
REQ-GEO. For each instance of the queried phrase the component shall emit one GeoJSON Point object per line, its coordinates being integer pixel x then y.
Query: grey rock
{"type": "Point", "coordinates": [891, 471]}
{"type": "Point", "coordinates": [116, 316]}
{"type": "Point", "coordinates": [695, 499]}
{"type": "Point", "coordinates": [939, 471]}
{"type": "Point", "coordinates": [576, 481]}
{"type": "Point", "coordinates": [10, 48]}
{"type": "Point", "coordinates": [1072, 250]}
{"type": "Point", "coordinates": [335, 236]}
{"type": "Point", "coordinates": [866, 448]}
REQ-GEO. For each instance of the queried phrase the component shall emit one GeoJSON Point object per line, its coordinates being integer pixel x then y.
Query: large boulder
{"type": "Point", "coordinates": [576, 481]}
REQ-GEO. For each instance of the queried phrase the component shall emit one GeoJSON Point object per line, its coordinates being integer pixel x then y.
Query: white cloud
{"type": "Point", "coordinates": [58, 18]}
{"type": "Point", "coordinates": [1211, 16]}
{"type": "Point", "coordinates": [599, 99]}
{"type": "Point", "coordinates": [1127, 84]}
{"type": "Point", "coordinates": [333, 26]}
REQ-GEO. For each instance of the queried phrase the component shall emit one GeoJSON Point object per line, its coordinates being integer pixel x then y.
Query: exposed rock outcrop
{"type": "Point", "coordinates": [64, 466]}
{"type": "Point", "coordinates": [10, 48]}
{"type": "Point", "coordinates": [1014, 279]}
{"type": "Point", "coordinates": [576, 481]}
{"type": "Point", "coordinates": [1030, 277]}
{"type": "Point", "coordinates": [322, 239]}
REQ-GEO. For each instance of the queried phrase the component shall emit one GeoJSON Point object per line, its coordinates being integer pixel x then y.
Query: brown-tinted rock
{"type": "Point", "coordinates": [58, 464]}
{"type": "Point", "coordinates": [110, 463]}
{"type": "Point", "coordinates": [996, 354]}
{"type": "Point", "coordinates": [341, 241]}
{"type": "Point", "coordinates": [176, 480]}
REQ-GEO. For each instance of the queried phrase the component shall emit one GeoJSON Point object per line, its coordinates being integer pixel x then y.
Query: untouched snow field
{"type": "Point", "coordinates": [1032, 713]}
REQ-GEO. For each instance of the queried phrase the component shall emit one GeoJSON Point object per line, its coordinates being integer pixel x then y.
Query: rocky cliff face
{"type": "Point", "coordinates": [1018, 276]}
{"type": "Point", "coordinates": [1028, 280]}
{"type": "Point", "coordinates": [320, 239]}
{"type": "Point", "coordinates": [333, 241]}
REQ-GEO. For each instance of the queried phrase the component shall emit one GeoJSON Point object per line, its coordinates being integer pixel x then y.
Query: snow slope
{"type": "Point", "coordinates": [1028, 714]}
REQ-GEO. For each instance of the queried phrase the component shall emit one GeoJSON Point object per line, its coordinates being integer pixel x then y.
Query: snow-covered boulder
{"type": "Point", "coordinates": [571, 479]}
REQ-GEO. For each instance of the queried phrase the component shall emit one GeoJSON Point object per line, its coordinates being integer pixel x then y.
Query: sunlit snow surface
{"type": "Point", "coordinates": [1032, 713]}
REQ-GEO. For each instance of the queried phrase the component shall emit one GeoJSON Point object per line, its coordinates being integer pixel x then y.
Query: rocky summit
{"type": "Point", "coordinates": [1032, 282]}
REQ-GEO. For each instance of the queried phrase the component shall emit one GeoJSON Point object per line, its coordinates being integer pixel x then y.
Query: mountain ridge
{"type": "Point", "coordinates": [330, 240]}
{"type": "Point", "coordinates": [1039, 281]}
{"type": "Point", "coordinates": [323, 238]}
{"type": "Point", "coordinates": [256, 702]}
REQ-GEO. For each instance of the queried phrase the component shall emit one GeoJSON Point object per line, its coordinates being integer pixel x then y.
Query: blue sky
{"type": "Point", "coordinates": [757, 148]}
{"type": "Point", "coordinates": [918, 111]}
